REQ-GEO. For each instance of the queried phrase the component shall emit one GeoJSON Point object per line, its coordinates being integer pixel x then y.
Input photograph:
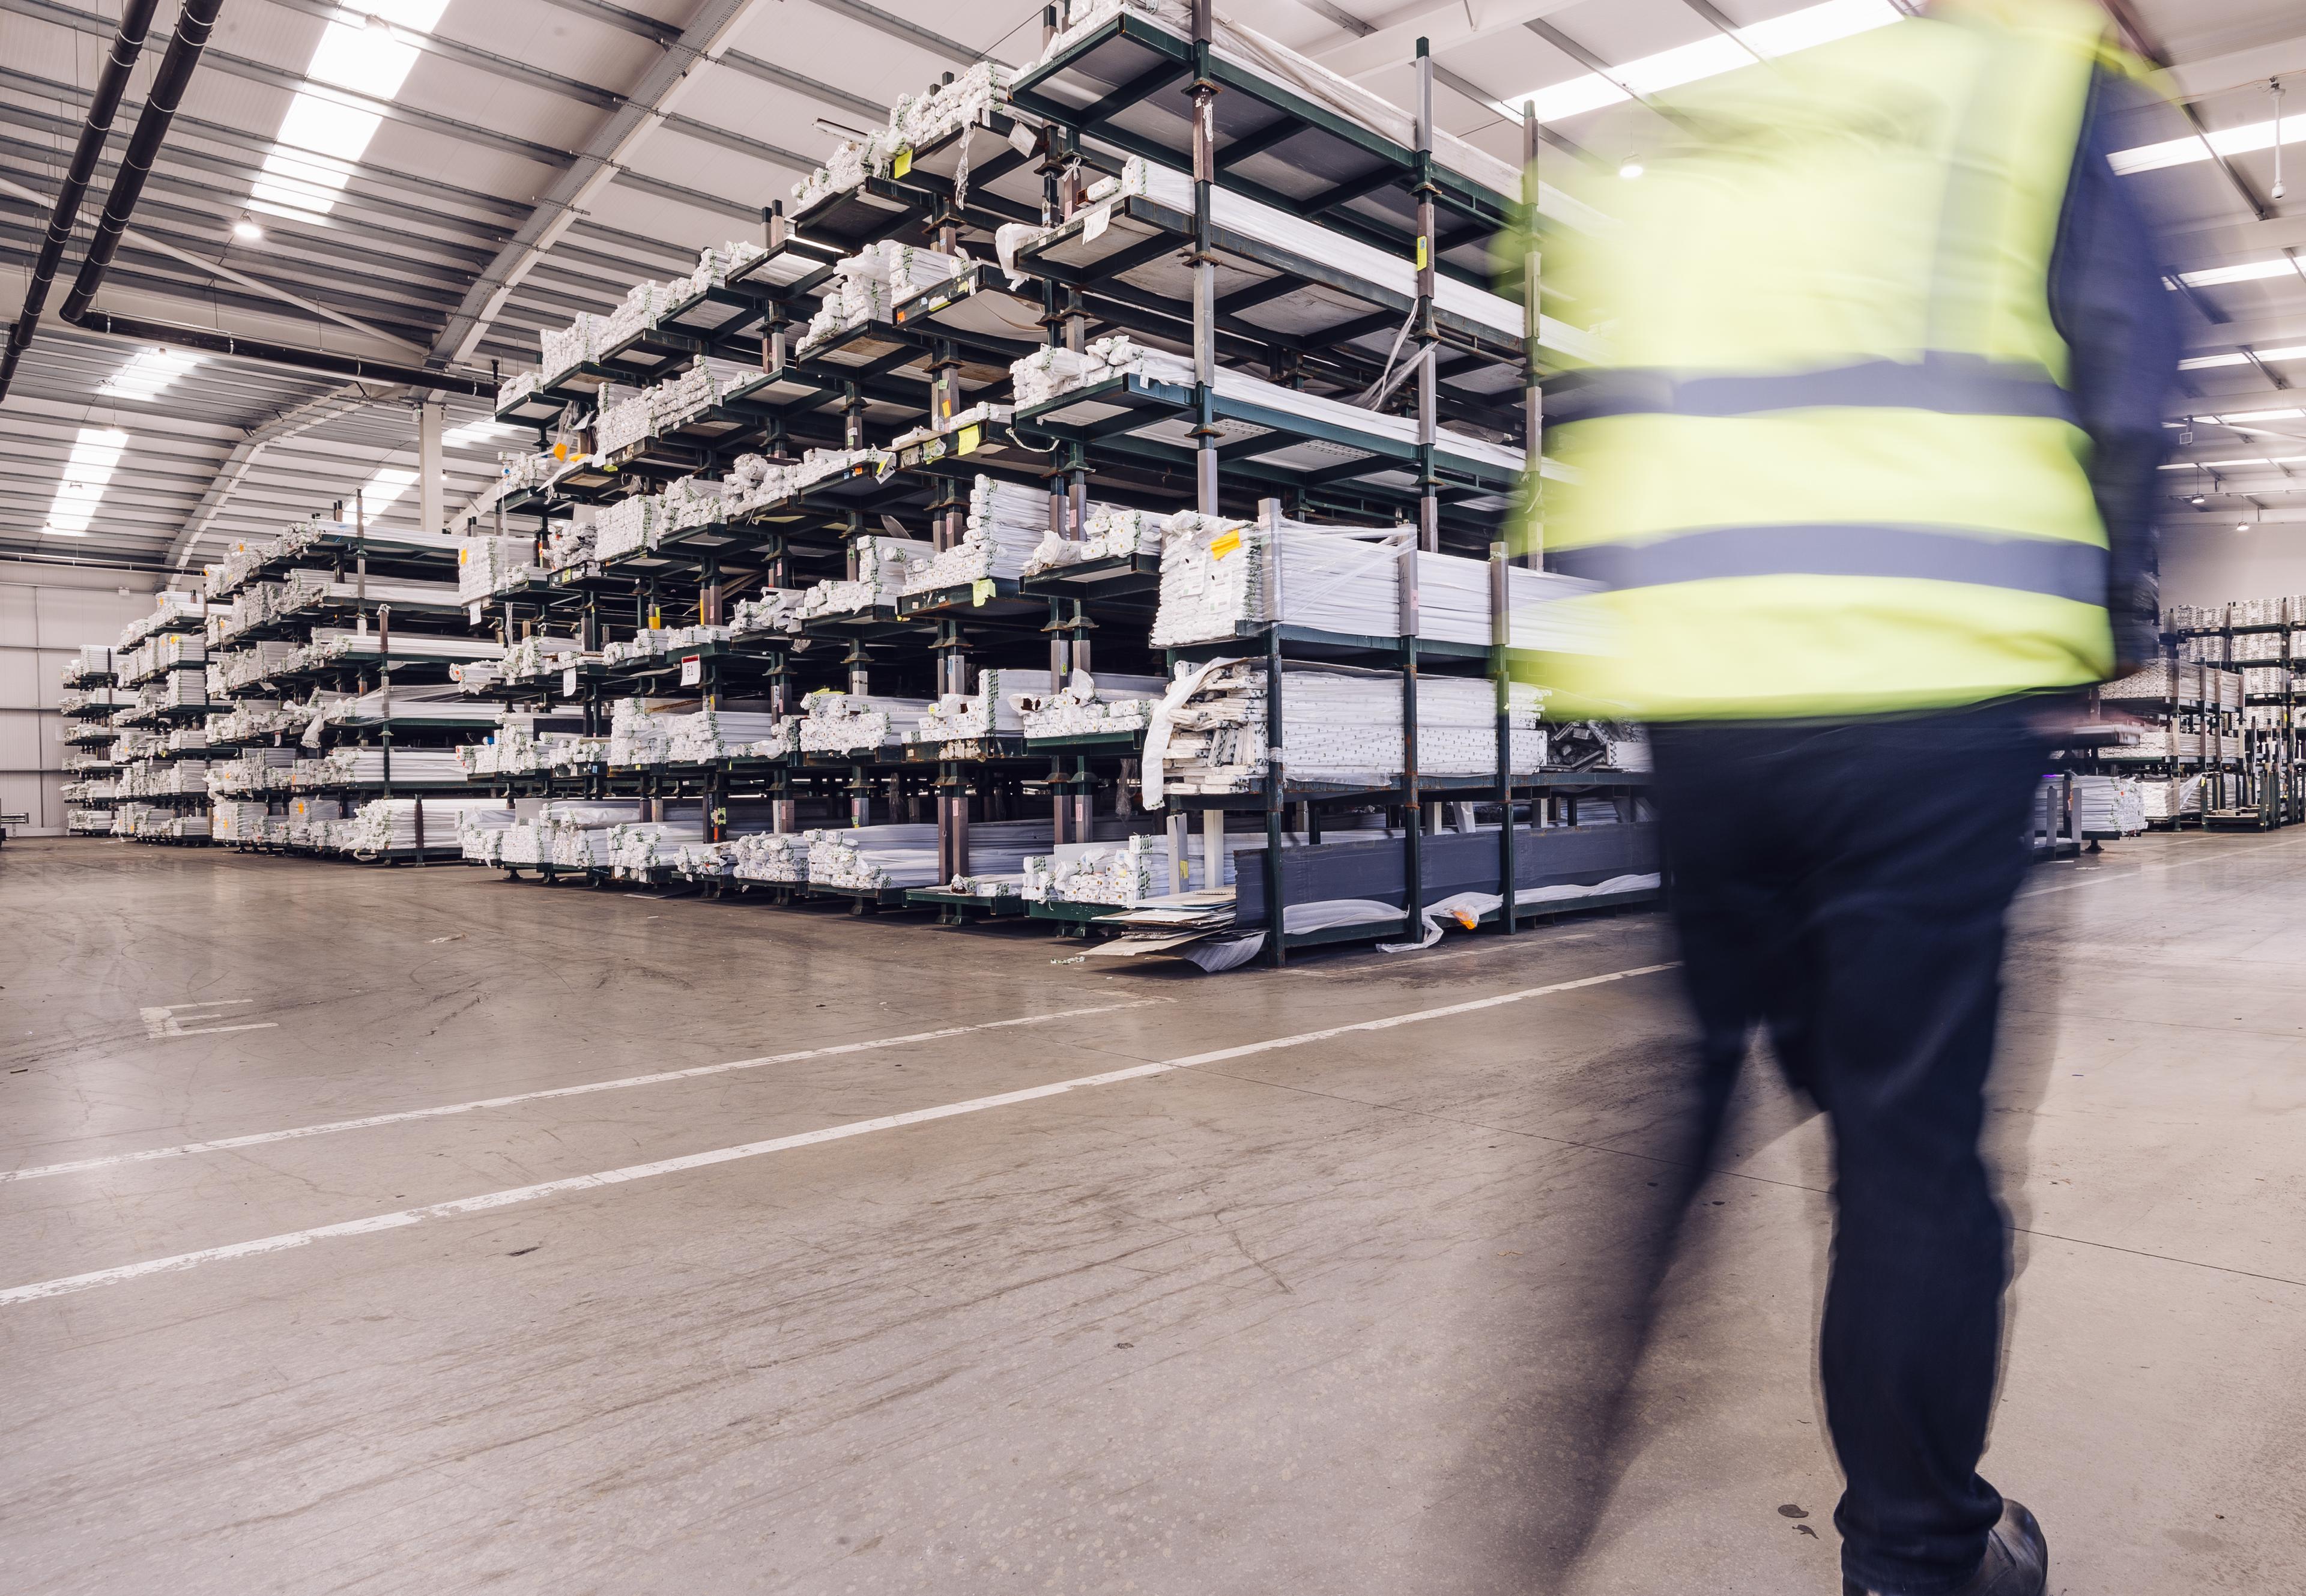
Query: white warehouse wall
{"type": "Point", "coordinates": [2218, 564]}
{"type": "Point", "coordinates": [46, 614]}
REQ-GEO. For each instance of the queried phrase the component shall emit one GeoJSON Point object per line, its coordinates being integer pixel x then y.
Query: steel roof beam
{"type": "Point", "coordinates": [658, 93]}
{"type": "Point", "coordinates": [465, 55]}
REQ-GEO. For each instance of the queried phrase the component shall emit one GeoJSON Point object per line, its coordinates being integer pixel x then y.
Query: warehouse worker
{"type": "Point", "coordinates": [1869, 477]}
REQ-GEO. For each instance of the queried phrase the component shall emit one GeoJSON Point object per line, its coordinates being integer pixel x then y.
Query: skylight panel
{"type": "Point", "coordinates": [1707, 58]}
{"type": "Point", "coordinates": [147, 372]}
{"type": "Point", "coordinates": [366, 58]}
{"type": "Point", "coordinates": [386, 489]}
{"type": "Point", "coordinates": [95, 454]}
{"type": "Point", "coordinates": [476, 432]}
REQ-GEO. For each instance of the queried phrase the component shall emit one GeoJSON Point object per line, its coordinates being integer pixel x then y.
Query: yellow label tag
{"type": "Point", "coordinates": [971, 436]}
{"type": "Point", "coordinates": [980, 590]}
{"type": "Point", "coordinates": [1420, 251]}
{"type": "Point", "coordinates": [902, 164]}
{"type": "Point", "coordinates": [1225, 544]}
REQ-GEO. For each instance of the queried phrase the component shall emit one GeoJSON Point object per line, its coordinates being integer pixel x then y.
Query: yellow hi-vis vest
{"type": "Point", "coordinates": [1833, 468]}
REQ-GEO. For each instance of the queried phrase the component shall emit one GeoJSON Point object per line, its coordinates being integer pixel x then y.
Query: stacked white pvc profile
{"type": "Point", "coordinates": [238, 820]}
{"type": "Point", "coordinates": [990, 710]}
{"type": "Point", "coordinates": [771, 610]}
{"type": "Point", "coordinates": [1092, 706]}
{"type": "Point", "coordinates": [712, 734]}
{"type": "Point", "coordinates": [480, 833]}
{"type": "Point", "coordinates": [639, 849]}
{"type": "Point", "coordinates": [657, 643]}
{"type": "Point", "coordinates": [640, 729]}
{"type": "Point", "coordinates": [256, 770]}
{"type": "Point", "coordinates": [2250, 646]}
{"type": "Point", "coordinates": [88, 823]}
{"type": "Point", "coordinates": [780, 857]}
{"type": "Point", "coordinates": [366, 767]}
{"type": "Point", "coordinates": [1006, 524]}
{"type": "Point", "coordinates": [623, 528]}
{"type": "Point", "coordinates": [570, 544]}
{"type": "Point", "coordinates": [1109, 531]}
{"type": "Point", "coordinates": [2167, 800]}
{"type": "Point", "coordinates": [881, 566]}
{"type": "Point", "coordinates": [869, 285]}
{"type": "Point", "coordinates": [856, 722]}
{"type": "Point", "coordinates": [1122, 875]}
{"type": "Point", "coordinates": [689, 502]}
{"type": "Point", "coordinates": [1338, 726]}
{"type": "Point", "coordinates": [490, 565]}
{"type": "Point", "coordinates": [538, 656]}
{"type": "Point", "coordinates": [878, 857]}
{"type": "Point", "coordinates": [914, 122]}
{"type": "Point", "coordinates": [389, 825]}
{"type": "Point", "coordinates": [2109, 805]}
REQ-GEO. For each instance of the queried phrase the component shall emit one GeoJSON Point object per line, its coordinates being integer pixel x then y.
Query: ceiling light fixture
{"type": "Point", "coordinates": [2280, 189]}
{"type": "Point", "coordinates": [246, 230]}
{"type": "Point", "coordinates": [1631, 170]}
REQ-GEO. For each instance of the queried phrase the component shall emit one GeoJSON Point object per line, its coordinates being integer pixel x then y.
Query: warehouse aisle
{"type": "Point", "coordinates": [1305, 1312]}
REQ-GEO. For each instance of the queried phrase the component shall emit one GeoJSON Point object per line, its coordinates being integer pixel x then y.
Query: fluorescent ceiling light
{"type": "Point", "coordinates": [2227, 140]}
{"type": "Point", "coordinates": [365, 59]}
{"type": "Point", "coordinates": [2205, 362]}
{"type": "Point", "coordinates": [2263, 415]}
{"type": "Point", "coordinates": [1708, 58]}
{"type": "Point", "coordinates": [473, 432]}
{"type": "Point", "coordinates": [95, 454]}
{"type": "Point", "coordinates": [147, 372]}
{"type": "Point", "coordinates": [2249, 271]}
{"type": "Point", "coordinates": [381, 491]}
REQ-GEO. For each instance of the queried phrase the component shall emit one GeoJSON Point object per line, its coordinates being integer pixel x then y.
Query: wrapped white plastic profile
{"type": "Point", "coordinates": [389, 825]}
{"type": "Point", "coordinates": [1238, 213]}
{"type": "Point", "coordinates": [488, 565]}
{"type": "Point", "coordinates": [778, 857]}
{"type": "Point", "coordinates": [640, 729]}
{"type": "Point", "coordinates": [718, 733]}
{"type": "Point", "coordinates": [1108, 532]}
{"type": "Point", "coordinates": [361, 767]}
{"type": "Point", "coordinates": [2109, 805]}
{"type": "Point", "coordinates": [878, 857]}
{"type": "Point", "coordinates": [881, 563]}
{"type": "Point", "coordinates": [914, 122]}
{"type": "Point", "coordinates": [856, 722]}
{"type": "Point", "coordinates": [869, 285]}
{"type": "Point", "coordinates": [1006, 524]}
{"type": "Point", "coordinates": [639, 849]}
{"type": "Point", "coordinates": [990, 710]}
{"type": "Point", "coordinates": [1339, 726]}
{"type": "Point", "coordinates": [1091, 706]}
{"type": "Point", "coordinates": [771, 610]}
{"type": "Point", "coordinates": [625, 527]}
{"type": "Point", "coordinates": [1223, 579]}
{"type": "Point", "coordinates": [236, 821]}
{"type": "Point", "coordinates": [481, 832]}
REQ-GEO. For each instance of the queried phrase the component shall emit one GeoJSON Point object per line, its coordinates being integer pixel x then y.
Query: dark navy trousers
{"type": "Point", "coordinates": [1845, 885]}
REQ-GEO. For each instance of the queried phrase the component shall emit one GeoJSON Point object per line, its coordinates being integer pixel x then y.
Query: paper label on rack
{"type": "Point", "coordinates": [1021, 138]}
{"type": "Point", "coordinates": [692, 670]}
{"type": "Point", "coordinates": [569, 682]}
{"type": "Point", "coordinates": [1420, 253]}
{"type": "Point", "coordinates": [970, 437]}
{"type": "Point", "coordinates": [902, 164]}
{"type": "Point", "coordinates": [1225, 544]}
{"type": "Point", "coordinates": [1098, 221]}
{"type": "Point", "coordinates": [980, 590]}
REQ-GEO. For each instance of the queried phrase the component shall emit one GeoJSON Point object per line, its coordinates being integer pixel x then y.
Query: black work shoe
{"type": "Point", "coordinates": [2017, 1560]}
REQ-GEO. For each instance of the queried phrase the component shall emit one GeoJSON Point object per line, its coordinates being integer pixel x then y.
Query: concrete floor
{"type": "Point", "coordinates": [1323, 1318]}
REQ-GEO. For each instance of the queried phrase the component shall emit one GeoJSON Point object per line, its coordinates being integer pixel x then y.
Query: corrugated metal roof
{"type": "Point", "coordinates": [499, 100]}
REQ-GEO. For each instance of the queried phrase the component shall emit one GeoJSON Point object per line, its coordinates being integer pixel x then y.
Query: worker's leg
{"type": "Point", "coordinates": [1920, 852]}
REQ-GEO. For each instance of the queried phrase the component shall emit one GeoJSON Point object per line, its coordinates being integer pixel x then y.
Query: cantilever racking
{"type": "Point", "coordinates": [920, 392]}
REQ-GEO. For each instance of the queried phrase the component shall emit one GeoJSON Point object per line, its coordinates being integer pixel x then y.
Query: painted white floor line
{"type": "Point", "coordinates": [2201, 858]}
{"type": "Point", "coordinates": [755, 1149]}
{"type": "Point", "coordinates": [260, 1137]}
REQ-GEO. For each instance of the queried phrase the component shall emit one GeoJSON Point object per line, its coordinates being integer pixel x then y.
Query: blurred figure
{"type": "Point", "coordinates": [1871, 478]}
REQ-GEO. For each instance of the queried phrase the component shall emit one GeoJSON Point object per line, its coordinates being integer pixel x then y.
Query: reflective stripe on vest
{"type": "Point", "coordinates": [2054, 567]}
{"type": "Point", "coordinates": [1947, 384]}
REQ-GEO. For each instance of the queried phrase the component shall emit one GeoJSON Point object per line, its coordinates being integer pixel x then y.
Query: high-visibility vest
{"type": "Point", "coordinates": [1833, 467]}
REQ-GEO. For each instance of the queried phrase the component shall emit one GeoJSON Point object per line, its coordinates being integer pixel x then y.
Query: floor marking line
{"type": "Point", "coordinates": [368, 1121]}
{"type": "Point", "coordinates": [2204, 858]}
{"type": "Point", "coordinates": [487, 1202]}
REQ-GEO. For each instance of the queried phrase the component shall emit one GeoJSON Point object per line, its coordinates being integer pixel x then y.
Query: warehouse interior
{"type": "Point", "coordinates": [659, 941]}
